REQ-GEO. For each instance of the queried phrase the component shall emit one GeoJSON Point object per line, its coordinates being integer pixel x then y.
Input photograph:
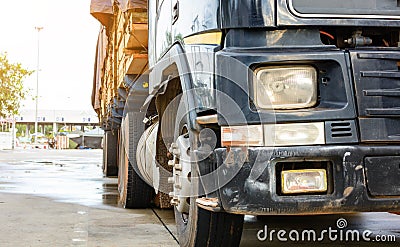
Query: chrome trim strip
{"type": "Point", "coordinates": [210, 119]}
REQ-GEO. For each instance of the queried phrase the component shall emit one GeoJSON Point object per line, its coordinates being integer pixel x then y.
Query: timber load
{"type": "Point", "coordinates": [121, 55]}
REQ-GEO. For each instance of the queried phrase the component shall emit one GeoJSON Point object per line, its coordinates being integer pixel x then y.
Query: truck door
{"type": "Point", "coordinates": [163, 35]}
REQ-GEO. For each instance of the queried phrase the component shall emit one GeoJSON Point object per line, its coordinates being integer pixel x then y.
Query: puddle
{"type": "Point", "coordinates": [110, 199]}
{"type": "Point", "coordinates": [44, 162]}
{"type": "Point", "coordinates": [77, 179]}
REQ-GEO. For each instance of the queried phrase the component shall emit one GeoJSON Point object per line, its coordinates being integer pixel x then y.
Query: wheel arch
{"type": "Point", "coordinates": [172, 67]}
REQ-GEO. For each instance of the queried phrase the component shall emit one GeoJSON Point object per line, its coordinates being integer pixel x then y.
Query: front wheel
{"type": "Point", "coordinates": [197, 226]}
{"type": "Point", "coordinates": [208, 229]}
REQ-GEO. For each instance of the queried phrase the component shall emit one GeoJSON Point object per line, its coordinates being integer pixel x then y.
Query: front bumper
{"type": "Point", "coordinates": [364, 178]}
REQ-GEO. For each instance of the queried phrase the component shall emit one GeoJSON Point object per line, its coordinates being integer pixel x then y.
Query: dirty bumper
{"type": "Point", "coordinates": [359, 179]}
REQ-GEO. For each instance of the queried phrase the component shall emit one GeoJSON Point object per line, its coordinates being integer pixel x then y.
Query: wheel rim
{"type": "Point", "coordinates": [181, 175]}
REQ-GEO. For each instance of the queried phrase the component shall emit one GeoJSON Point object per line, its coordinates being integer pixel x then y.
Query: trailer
{"type": "Point", "coordinates": [225, 108]}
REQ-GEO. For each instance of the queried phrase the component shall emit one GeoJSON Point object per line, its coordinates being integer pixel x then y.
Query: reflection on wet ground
{"type": "Point", "coordinates": [75, 176]}
{"type": "Point", "coordinates": [110, 195]}
{"type": "Point", "coordinates": [72, 176]}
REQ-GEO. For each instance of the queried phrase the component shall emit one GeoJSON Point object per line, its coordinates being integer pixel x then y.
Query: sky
{"type": "Point", "coordinates": [67, 49]}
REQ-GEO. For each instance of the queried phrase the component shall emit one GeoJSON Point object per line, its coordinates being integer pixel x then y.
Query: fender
{"type": "Point", "coordinates": [160, 76]}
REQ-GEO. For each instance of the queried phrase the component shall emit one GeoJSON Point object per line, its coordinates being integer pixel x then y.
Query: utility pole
{"type": "Point", "coordinates": [13, 138]}
{"type": "Point", "coordinates": [37, 81]}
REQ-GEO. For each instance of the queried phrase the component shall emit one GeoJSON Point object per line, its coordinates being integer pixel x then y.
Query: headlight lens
{"type": "Point", "coordinates": [286, 87]}
{"type": "Point", "coordinates": [294, 134]}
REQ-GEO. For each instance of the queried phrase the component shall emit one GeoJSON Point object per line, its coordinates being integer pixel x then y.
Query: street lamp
{"type": "Point", "coordinates": [37, 82]}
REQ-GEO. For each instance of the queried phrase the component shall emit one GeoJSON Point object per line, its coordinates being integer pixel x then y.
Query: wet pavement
{"type": "Point", "coordinates": [60, 198]}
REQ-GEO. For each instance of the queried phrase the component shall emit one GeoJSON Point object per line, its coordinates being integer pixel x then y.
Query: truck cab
{"type": "Point", "coordinates": [262, 107]}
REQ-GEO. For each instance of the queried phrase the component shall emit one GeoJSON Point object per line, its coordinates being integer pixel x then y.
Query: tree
{"type": "Point", "coordinates": [12, 90]}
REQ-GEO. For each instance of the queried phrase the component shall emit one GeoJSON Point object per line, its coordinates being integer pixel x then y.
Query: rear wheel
{"type": "Point", "coordinates": [197, 226]}
{"type": "Point", "coordinates": [110, 152]}
{"type": "Point", "coordinates": [133, 191]}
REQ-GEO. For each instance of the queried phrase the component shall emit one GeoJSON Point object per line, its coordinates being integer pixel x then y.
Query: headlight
{"type": "Point", "coordinates": [294, 134]}
{"type": "Point", "coordinates": [287, 87]}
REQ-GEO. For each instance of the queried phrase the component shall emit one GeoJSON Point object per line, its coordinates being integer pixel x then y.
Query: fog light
{"type": "Point", "coordinates": [251, 135]}
{"type": "Point", "coordinates": [294, 134]}
{"type": "Point", "coordinates": [304, 181]}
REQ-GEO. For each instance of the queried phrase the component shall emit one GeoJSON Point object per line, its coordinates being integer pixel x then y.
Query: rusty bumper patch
{"type": "Point", "coordinates": [254, 184]}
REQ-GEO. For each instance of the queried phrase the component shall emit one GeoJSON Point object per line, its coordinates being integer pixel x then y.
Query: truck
{"type": "Point", "coordinates": [225, 108]}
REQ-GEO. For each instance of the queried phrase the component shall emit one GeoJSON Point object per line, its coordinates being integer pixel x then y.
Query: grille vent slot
{"type": "Point", "coordinates": [341, 132]}
{"type": "Point", "coordinates": [341, 129]}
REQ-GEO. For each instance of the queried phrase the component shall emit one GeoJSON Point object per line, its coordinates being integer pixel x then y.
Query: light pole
{"type": "Point", "coordinates": [37, 82]}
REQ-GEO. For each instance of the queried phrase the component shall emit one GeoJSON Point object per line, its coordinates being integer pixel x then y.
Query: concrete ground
{"type": "Point", "coordinates": [36, 221]}
{"type": "Point", "coordinates": [60, 198]}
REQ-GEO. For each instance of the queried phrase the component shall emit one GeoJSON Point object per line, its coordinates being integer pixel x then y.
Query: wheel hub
{"type": "Point", "coordinates": [181, 173]}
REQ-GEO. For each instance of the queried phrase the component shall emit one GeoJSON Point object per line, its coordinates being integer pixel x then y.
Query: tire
{"type": "Point", "coordinates": [133, 191]}
{"type": "Point", "coordinates": [110, 154]}
{"type": "Point", "coordinates": [208, 229]}
{"type": "Point", "coordinates": [199, 227]}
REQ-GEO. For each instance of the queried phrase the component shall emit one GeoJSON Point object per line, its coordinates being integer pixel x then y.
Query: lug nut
{"type": "Point", "coordinates": [173, 147]}
{"type": "Point", "coordinates": [178, 167]}
{"type": "Point", "coordinates": [175, 201]}
{"type": "Point", "coordinates": [176, 152]}
{"type": "Point", "coordinates": [171, 162]}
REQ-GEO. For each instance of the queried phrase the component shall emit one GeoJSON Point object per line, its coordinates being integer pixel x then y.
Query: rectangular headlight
{"type": "Point", "coordinates": [294, 134]}
{"type": "Point", "coordinates": [285, 87]}
{"type": "Point", "coordinates": [290, 134]}
{"type": "Point", "coordinates": [304, 181]}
